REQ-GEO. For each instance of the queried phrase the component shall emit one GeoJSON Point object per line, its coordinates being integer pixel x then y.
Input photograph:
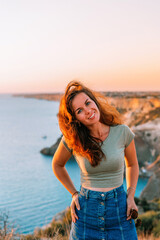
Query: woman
{"type": "Point", "coordinates": [93, 132]}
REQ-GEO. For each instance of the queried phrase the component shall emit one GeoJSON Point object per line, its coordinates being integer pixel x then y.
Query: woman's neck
{"type": "Point", "coordinates": [100, 130]}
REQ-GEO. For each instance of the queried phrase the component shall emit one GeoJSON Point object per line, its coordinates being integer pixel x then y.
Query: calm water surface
{"type": "Point", "coordinates": [29, 191]}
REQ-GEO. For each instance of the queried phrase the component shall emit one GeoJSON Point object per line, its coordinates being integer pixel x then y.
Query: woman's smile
{"type": "Point", "coordinates": [92, 116]}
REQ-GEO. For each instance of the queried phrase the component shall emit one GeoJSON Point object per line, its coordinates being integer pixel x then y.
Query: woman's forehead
{"type": "Point", "coordinates": [79, 100]}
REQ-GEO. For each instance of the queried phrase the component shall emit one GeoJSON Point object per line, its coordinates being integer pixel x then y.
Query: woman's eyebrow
{"type": "Point", "coordinates": [84, 103]}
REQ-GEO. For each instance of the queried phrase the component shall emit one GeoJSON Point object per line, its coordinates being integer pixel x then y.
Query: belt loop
{"type": "Point", "coordinates": [115, 193]}
{"type": "Point", "coordinates": [87, 193]}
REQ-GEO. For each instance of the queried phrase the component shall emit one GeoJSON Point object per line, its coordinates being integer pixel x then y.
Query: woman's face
{"type": "Point", "coordinates": [85, 109]}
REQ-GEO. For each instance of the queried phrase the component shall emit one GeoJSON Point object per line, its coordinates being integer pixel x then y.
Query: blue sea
{"type": "Point", "coordinates": [29, 192]}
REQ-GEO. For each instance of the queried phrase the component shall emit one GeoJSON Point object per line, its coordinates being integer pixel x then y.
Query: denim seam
{"type": "Point", "coordinates": [85, 208]}
{"type": "Point", "coordinates": [120, 226]}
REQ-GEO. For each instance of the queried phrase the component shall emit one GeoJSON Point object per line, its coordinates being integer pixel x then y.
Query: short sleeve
{"type": "Point", "coordinates": [128, 136]}
{"type": "Point", "coordinates": [65, 144]}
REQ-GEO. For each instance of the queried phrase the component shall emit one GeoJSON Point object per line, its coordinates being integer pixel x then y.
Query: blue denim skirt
{"type": "Point", "coordinates": [102, 215]}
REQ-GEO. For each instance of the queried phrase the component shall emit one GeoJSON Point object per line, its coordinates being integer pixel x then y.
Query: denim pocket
{"type": "Point", "coordinates": [80, 213]}
{"type": "Point", "coordinates": [122, 202]}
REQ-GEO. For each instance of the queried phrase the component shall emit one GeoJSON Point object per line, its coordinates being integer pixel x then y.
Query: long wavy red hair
{"type": "Point", "coordinates": [77, 135]}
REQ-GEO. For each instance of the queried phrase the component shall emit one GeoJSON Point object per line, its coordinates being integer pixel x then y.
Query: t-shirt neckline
{"type": "Point", "coordinates": [110, 128]}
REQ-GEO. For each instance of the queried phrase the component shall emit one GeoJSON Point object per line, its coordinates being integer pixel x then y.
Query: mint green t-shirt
{"type": "Point", "coordinates": [109, 172]}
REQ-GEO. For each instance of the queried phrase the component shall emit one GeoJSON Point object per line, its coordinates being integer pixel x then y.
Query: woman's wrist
{"type": "Point", "coordinates": [131, 188]}
{"type": "Point", "coordinates": [131, 192]}
{"type": "Point", "coordinates": [76, 192]}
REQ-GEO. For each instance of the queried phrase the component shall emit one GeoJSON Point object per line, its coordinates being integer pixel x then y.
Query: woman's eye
{"type": "Point", "coordinates": [79, 111]}
{"type": "Point", "coordinates": [87, 103]}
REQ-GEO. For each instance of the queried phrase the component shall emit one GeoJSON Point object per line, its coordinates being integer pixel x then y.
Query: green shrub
{"type": "Point", "coordinates": [150, 222]}
{"type": "Point", "coordinates": [137, 200]}
{"type": "Point", "coordinates": [157, 202]}
{"type": "Point", "coordinates": [145, 205]}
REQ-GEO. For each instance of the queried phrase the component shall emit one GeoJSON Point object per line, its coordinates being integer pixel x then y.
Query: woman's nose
{"type": "Point", "coordinates": [87, 111]}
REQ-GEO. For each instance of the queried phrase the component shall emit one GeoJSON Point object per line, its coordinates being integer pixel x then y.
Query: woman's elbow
{"type": "Point", "coordinates": [54, 165]}
{"type": "Point", "coordinates": [136, 166]}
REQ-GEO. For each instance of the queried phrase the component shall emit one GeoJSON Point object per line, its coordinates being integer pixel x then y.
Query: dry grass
{"type": "Point", "coordinates": [148, 237]}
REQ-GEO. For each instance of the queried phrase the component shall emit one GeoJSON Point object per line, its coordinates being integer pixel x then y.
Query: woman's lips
{"type": "Point", "coordinates": [92, 116]}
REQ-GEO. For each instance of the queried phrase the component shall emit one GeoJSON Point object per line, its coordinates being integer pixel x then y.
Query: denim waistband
{"type": "Point", "coordinates": [105, 195]}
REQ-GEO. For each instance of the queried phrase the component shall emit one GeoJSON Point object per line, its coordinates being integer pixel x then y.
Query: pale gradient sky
{"type": "Point", "coordinates": [111, 45]}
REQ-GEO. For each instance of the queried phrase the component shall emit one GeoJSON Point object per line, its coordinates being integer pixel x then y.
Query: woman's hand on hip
{"type": "Point", "coordinates": [74, 204]}
{"type": "Point", "coordinates": [130, 205]}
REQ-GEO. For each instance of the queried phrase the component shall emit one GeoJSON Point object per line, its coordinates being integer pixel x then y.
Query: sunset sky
{"type": "Point", "coordinates": [111, 45]}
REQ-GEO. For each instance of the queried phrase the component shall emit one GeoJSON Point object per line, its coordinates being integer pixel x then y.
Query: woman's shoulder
{"type": "Point", "coordinates": [125, 132]}
{"type": "Point", "coordinates": [120, 126]}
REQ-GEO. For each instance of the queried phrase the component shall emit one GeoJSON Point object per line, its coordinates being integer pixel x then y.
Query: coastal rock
{"type": "Point", "coordinates": [152, 190]}
{"type": "Point", "coordinates": [49, 151]}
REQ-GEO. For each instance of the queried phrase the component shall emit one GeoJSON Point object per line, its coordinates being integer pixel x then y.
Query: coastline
{"type": "Point", "coordinates": [115, 94]}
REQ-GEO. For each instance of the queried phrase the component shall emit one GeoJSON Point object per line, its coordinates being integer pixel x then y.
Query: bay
{"type": "Point", "coordinates": [29, 191]}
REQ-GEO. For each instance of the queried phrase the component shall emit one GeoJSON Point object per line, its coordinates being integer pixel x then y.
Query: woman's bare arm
{"type": "Point", "coordinates": [60, 158]}
{"type": "Point", "coordinates": [132, 168]}
{"type": "Point", "coordinates": [132, 172]}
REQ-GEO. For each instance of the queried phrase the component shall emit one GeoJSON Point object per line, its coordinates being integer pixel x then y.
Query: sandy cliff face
{"type": "Point", "coordinates": [137, 110]}
{"type": "Point", "coordinates": [135, 105]}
